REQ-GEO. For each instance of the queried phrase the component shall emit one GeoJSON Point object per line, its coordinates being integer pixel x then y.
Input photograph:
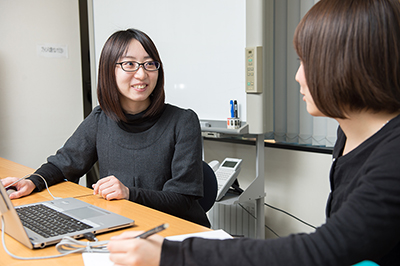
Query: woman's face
{"type": "Point", "coordinates": [301, 79]}
{"type": "Point", "coordinates": [135, 87]}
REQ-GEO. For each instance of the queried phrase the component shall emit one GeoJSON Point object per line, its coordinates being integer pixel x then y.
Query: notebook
{"type": "Point", "coordinates": [76, 216]}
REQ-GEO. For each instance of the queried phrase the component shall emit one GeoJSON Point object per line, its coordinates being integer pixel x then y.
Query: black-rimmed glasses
{"type": "Point", "coordinates": [132, 66]}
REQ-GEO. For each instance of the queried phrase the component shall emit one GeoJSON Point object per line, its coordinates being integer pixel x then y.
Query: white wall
{"type": "Point", "coordinates": [295, 181]}
{"type": "Point", "coordinates": [40, 97]}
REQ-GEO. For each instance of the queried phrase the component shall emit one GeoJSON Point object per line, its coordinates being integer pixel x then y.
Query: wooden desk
{"type": "Point", "coordinates": [145, 218]}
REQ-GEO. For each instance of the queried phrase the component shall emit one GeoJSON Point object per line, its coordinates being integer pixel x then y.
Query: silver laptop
{"type": "Point", "coordinates": [61, 217]}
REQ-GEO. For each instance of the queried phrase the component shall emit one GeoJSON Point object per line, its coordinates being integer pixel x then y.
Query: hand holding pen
{"type": "Point", "coordinates": [131, 249]}
{"type": "Point", "coordinates": [153, 231]}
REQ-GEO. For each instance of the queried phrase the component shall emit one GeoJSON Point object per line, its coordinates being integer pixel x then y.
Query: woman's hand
{"type": "Point", "coordinates": [111, 188]}
{"type": "Point", "coordinates": [24, 187]}
{"type": "Point", "coordinates": [127, 250]}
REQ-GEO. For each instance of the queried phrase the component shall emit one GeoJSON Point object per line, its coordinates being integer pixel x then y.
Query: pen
{"type": "Point", "coordinates": [152, 231]}
{"type": "Point", "coordinates": [235, 106]}
{"type": "Point", "coordinates": [232, 109]}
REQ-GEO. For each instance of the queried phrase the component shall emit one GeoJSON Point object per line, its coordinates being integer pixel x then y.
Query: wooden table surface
{"type": "Point", "coordinates": [145, 218]}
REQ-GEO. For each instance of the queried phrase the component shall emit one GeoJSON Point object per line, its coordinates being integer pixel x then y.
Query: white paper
{"type": "Point", "coordinates": [215, 234]}
{"type": "Point", "coordinates": [102, 259]}
{"type": "Point", "coordinates": [96, 259]}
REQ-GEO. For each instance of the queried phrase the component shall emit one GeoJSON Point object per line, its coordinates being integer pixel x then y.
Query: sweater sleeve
{"type": "Point", "coordinates": [79, 153]}
{"type": "Point", "coordinates": [186, 164]}
{"type": "Point", "coordinates": [232, 252]}
{"type": "Point", "coordinates": [165, 201]}
{"type": "Point", "coordinates": [74, 159]}
{"type": "Point", "coordinates": [50, 173]}
{"type": "Point", "coordinates": [183, 206]}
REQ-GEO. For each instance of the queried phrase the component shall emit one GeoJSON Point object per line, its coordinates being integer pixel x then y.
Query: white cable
{"type": "Point", "coordinates": [70, 245]}
{"type": "Point", "coordinates": [66, 246]}
{"type": "Point", "coordinates": [44, 180]}
{"type": "Point", "coordinates": [18, 257]}
{"type": "Point", "coordinates": [47, 187]}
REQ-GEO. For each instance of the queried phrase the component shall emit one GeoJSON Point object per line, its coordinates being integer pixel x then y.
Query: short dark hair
{"type": "Point", "coordinates": [350, 51]}
{"type": "Point", "coordinates": [107, 89]}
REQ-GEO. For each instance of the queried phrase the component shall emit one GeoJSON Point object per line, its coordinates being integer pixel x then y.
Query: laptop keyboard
{"type": "Point", "coordinates": [48, 222]}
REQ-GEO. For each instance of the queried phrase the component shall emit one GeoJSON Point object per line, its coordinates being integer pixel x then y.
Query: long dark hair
{"type": "Point", "coordinates": [107, 89]}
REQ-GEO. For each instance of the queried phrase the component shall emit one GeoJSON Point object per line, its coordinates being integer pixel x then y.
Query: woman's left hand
{"type": "Point", "coordinates": [111, 188]}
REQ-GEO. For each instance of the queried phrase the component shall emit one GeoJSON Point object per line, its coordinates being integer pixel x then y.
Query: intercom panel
{"type": "Point", "coordinates": [254, 70]}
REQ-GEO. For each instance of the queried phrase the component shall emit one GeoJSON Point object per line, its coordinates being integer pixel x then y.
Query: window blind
{"type": "Point", "coordinates": [292, 123]}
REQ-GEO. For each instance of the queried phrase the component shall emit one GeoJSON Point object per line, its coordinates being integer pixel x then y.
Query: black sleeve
{"type": "Point", "coordinates": [183, 206]}
{"type": "Point", "coordinates": [51, 173]}
{"type": "Point", "coordinates": [244, 251]}
{"type": "Point", "coordinates": [165, 201]}
{"type": "Point", "coordinates": [210, 252]}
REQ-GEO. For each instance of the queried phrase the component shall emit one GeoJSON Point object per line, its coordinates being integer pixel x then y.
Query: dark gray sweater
{"type": "Point", "coordinates": [161, 166]}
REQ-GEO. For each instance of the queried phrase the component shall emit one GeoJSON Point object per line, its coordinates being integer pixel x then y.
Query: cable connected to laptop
{"type": "Point", "coordinates": [44, 180]}
{"type": "Point", "coordinates": [67, 245]}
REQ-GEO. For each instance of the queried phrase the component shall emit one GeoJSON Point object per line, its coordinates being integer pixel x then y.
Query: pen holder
{"type": "Point", "coordinates": [233, 123]}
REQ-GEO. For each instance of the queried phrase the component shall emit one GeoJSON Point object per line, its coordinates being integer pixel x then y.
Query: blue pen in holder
{"type": "Point", "coordinates": [233, 122]}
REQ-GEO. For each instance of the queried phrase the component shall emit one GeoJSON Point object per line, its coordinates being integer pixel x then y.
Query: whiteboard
{"type": "Point", "coordinates": [201, 43]}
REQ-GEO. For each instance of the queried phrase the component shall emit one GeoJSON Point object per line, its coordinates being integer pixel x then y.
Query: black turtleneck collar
{"type": "Point", "coordinates": [137, 123]}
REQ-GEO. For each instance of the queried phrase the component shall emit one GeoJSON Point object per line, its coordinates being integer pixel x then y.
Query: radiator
{"type": "Point", "coordinates": [234, 219]}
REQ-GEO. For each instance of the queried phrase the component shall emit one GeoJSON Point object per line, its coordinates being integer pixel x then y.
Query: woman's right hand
{"type": "Point", "coordinates": [126, 250]}
{"type": "Point", "coordinates": [24, 187]}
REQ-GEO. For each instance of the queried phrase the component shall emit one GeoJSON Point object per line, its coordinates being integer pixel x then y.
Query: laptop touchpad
{"type": "Point", "coordinates": [84, 213]}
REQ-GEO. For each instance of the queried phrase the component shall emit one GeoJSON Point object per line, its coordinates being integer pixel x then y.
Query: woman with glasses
{"type": "Point", "coordinates": [349, 70]}
{"type": "Point", "coordinates": [148, 152]}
